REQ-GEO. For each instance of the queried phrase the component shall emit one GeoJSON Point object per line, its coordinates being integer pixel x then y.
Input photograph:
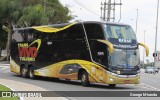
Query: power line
{"type": "Point", "coordinates": [109, 7]}
{"type": "Point", "coordinates": [86, 6]}
{"type": "Point", "coordinates": [82, 5]}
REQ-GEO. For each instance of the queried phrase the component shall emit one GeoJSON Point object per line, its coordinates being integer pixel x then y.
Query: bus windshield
{"type": "Point", "coordinates": [119, 31]}
{"type": "Point", "coordinates": [126, 59]}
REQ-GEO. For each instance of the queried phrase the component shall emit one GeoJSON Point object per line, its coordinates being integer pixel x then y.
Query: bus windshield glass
{"type": "Point", "coordinates": [119, 31]}
{"type": "Point", "coordinates": [127, 58]}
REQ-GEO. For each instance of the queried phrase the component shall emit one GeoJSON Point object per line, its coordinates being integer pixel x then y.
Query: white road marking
{"type": "Point", "coordinates": [4, 68]}
{"type": "Point", "coordinates": [4, 65]}
{"type": "Point", "coordinates": [150, 87]}
{"type": "Point", "coordinates": [154, 81]}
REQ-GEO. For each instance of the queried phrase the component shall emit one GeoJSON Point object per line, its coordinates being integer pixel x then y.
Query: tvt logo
{"type": "Point", "coordinates": [28, 52]}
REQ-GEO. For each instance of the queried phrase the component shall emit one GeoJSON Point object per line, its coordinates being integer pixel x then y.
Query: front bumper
{"type": "Point", "coordinates": [123, 79]}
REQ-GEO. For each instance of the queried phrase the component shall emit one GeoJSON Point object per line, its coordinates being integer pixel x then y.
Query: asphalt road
{"type": "Point", "coordinates": [149, 82]}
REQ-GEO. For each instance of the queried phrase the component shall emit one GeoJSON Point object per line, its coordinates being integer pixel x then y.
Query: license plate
{"type": "Point", "coordinates": [127, 81]}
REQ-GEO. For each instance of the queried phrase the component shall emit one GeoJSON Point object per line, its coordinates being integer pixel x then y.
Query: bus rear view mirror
{"type": "Point", "coordinates": [110, 46]}
{"type": "Point", "coordinates": [154, 54]}
{"type": "Point", "coordinates": [146, 48]}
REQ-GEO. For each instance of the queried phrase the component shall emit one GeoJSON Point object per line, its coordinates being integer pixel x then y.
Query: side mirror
{"type": "Point", "coordinates": [146, 48]}
{"type": "Point", "coordinates": [154, 54]}
{"type": "Point", "coordinates": [110, 46]}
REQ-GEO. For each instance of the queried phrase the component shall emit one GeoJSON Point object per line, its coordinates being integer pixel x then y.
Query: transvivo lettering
{"type": "Point", "coordinates": [27, 53]}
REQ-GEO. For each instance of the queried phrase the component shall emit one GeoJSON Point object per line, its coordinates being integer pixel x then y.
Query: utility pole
{"type": "Point", "coordinates": [156, 34]}
{"type": "Point", "coordinates": [144, 49]}
{"type": "Point", "coordinates": [109, 7]}
{"type": "Point", "coordinates": [109, 11]}
{"type": "Point", "coordinates": [136, 21]}
{"type": "Point", "coordinates": [104, 15]}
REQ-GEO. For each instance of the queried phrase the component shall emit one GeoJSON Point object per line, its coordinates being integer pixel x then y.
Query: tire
{"type": "Point", "coordinates": [31, 73]}
{"type": "Point", "coordinates": [84, 79]}
{"type": "Point", "coordinates": [23, 72]}
{"type": "Point", "coordinates": [112, 85]}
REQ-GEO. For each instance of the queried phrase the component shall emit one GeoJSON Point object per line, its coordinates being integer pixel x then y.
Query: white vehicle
{"type": "Point", "coordinates": [151, 70]}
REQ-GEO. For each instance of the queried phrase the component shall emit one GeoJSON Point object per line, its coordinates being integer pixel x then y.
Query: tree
{"type": "Point", "coordinates": [22, 13]}
{"type": "Point", "coordinates": [40, 12]}
{"type": "Point", "coordinates": [9, 14]}
{"type": "Point", "coordinates": [3, 38]}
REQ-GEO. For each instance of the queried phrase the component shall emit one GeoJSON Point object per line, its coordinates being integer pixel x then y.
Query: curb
{"type": "Point", "coordinates": [21, 98]}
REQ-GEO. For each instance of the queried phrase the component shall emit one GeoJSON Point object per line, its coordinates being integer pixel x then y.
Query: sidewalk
{"type": "Point", "coordinates": [19, 86]}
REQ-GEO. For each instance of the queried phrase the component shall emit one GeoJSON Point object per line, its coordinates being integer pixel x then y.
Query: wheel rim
{"type": "Point", "coordinates": [83, 78]}
{"type": "Point", "coordinates": [23, 71]}
{"type": "Point", "coordinates": [31, 73]}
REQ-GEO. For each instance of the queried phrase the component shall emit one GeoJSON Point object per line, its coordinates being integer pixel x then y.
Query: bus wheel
{"type": "Point", "coordinates": [84, 79]}
{"type": "Point", "coordinates": [31, 73]}
{"type": "Point", "coordinates": [23, 72]}
{"type": "Point", "coordinates": [112, 85]}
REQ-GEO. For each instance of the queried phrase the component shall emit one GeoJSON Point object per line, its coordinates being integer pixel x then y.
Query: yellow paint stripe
{"type": "Point", "coordinates": [114, 32]}
{"type": "Point", "coordinates": [123, 32]}
{"type": "Point", "coordinates": [36, 41]}
{"type": "Point", "coordinates": [14, 67]}
{"type": "Point", "coordinates": [51, 29]}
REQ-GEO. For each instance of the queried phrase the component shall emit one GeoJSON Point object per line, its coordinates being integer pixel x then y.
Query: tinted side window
{"type": "Point", "coordinates": [21, 36]}
{"type": "Point", "coordinates": [75, 32]}
{"type": "Point", "coordinates": [94, 31]}
{"type": "Point", "coordinates": [72, 33]}
{"type": "Point", "coordinates": [17, 36]}
{"type": "Point", "coordinates": [59, 35]}
{"type": "Point", "coordinates": [27, 35]}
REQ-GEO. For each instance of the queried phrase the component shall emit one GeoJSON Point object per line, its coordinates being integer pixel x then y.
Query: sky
{"type": "Point", "coordinates": [147, 11]}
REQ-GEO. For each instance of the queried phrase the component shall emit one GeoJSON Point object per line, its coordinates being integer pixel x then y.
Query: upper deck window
{"type": "Point", "coordinates": [119, 31]}
{"type": "Point", "coordinates": [94, 31]}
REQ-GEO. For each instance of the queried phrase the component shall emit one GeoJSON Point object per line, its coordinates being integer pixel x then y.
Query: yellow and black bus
{"type": "Point", "coordinates": [90, 51]}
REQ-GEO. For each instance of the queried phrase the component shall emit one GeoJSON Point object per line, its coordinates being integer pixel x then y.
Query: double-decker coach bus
{"type": "Point", "coordinates": [90, 51]}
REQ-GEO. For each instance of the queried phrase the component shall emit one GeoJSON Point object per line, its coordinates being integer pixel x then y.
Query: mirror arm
{"type": "Point", "coordinates": [146, 48]}
{"type": "Point", "coordinates": [109, 44]}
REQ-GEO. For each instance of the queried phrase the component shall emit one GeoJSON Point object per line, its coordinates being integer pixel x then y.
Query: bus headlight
{"type": "Point", "coordinates": [113, 74]}
{"type": "Point", "coordinates": [111, 79]}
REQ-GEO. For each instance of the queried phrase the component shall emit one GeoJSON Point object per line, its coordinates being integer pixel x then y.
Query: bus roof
{"type": "Point", "coordinates": [105, 22]}
{"type": "Point", "coordinates": [65, 24]}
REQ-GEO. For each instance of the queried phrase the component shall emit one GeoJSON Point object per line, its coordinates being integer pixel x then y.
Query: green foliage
{"type": "Point", "coordinates": [9, 10]}
{"type": "Point", "coordinates": [32, 15]}
{"type": "Point", "coordinates": [25, 13]}
{"type": "Point", "coordinates": [37, 12]}
{"type": "Point", "coordinates": [26, 3]}
{"type": "Point", "coordinates": [3, 88]}
{"type": "Point", "coordinates": [3, 38]}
